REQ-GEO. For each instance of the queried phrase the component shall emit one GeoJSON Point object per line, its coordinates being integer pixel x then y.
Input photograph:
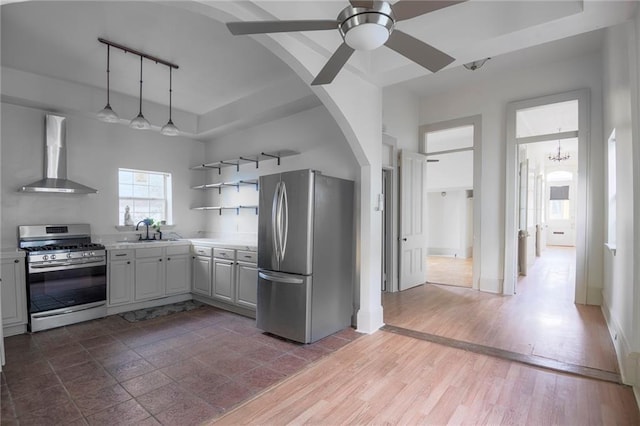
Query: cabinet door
{"type": "Point", "coordinates": [178, 274]}
{"type": "Point", "coordinates": [247, 285]}
{"type": "Point", "coordinates": [120, 282]}
{"type": "Point", "coordinates": [14, 292]}
{"type": "Point", "coordinates": [201, 274]}
{"type": "Point", "coordinates": [223, 287]}
{"type": "Point", "coordinates": [150, 277]}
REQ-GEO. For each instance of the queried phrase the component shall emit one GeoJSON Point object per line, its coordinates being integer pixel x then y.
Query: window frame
{"type": "Point", "coordinates": [167, 199]}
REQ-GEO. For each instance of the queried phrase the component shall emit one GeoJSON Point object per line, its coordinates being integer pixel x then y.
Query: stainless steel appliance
{"type": "Point", "coordinates": [66, 275]}
{"type": "Point", "coordinates": [305, 255]}
{"type": "Point", "coordinates": [55, 161]}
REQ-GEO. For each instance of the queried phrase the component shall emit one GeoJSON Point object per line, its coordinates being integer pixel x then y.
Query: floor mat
{"type": "Point", "coordinates": [160, 311]}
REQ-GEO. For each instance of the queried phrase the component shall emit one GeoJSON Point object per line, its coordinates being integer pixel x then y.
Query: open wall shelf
{"type": "Point", "coordinates": [221, 208]}
{"type": "Point", "coordinates": [237, 162]}
{"type": "Point", "coordinates": [234, 184]}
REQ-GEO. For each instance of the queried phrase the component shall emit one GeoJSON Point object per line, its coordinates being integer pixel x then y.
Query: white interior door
{"type": "Point", "coordinates": [413, 206]}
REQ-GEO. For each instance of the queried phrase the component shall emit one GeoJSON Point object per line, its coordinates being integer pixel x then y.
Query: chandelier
{"type": "Point", "coordinates": [559, 156]}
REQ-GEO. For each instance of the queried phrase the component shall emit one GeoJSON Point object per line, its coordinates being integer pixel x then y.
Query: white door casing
{"type": "Point", "coordinates": [413, 209]}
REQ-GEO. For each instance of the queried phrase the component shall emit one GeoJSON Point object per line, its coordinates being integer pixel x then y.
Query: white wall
{"type": "Point", "coordinates": [449, 228]}
{"type": "Point", "coordinates": [490, 100]}
{"type": "Point", "coordinates": [400, 116]}
{"type": "Point", "coordinates": [95, 151]}
{"type": "Point", "coordinates": [621, 284]}
{"type": "Point", "coordinates": [313, 133]}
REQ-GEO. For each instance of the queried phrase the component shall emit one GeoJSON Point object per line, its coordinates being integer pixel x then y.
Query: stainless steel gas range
{"type": "Point", "coordinates": [66, 275]}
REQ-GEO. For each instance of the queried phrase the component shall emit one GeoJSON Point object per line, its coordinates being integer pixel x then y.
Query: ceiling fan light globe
{"type": "Point", "coordinates": [367, 36]}
{"type": "Point", "coordinates": [140, 123]}
{"type": "Point", "coordinates": [108, 115]}
{"type": "Point", "coordinates": [169, 129]}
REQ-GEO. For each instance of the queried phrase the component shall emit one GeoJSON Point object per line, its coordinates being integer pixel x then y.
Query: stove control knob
{"type": "Point", "coordinates": [93, 253]}
{"type": "Point", "coordinates": [45, 257]}
{"type": "Point", "coordinates": [68, 255]}
{"type": "Point", "coordinates": [53, 256]}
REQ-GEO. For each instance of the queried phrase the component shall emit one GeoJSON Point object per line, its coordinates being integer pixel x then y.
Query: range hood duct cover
{"type": "Point", "coordinates": [55, 162]}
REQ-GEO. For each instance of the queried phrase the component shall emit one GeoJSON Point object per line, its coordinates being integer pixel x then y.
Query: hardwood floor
{"type": "Point", "coordinates": [386, 378]}
{"type": "Point", "coordinates": [450, 270]}
{"type": "Point", "coordinates": [541, 319]}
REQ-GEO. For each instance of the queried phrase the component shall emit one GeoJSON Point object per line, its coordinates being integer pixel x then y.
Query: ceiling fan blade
{"type": "Point", "coordinates": [418, 51]}
{"type": "Point", "coordinates": [261, 27]}
{"type": "Point", "coordinates": [407, 9]}
{"type": "Point", "coordinates": [362, 3]}
{"type": "Point", "coordinates": [334, 65]}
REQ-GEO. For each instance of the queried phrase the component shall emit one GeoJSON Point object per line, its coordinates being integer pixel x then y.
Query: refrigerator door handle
{"type": "Point", "coordinates": [285, 223]}
{"type": "Point", "coordinates": [274, 221]}
{"type": "Point", "coordinates": [279, 220]}
{"type": "Point", "coordinates": [280, 278]}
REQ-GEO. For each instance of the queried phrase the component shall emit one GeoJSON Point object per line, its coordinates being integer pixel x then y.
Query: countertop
{"type": "Point", "coordinates": [208, 242]}
{"type": "Point", "coordinates": [11, 254]}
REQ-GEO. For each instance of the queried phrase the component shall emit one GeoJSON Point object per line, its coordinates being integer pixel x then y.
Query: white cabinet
{"type": "Point", "coordinates": [235, 277]}
{"type": "Point", "coordinates": [223, 284]}
{"type": "Point", "coordinates": [247, 285]}
{"type": "Point", "coordinates": [201, 270]}
{"type": "Point", "coordinates": [178, 274]}
{"type": "Point", "coordinates": [14, 294]}
{"type": "Point", "coordinates": [120, 276]}
{"type": "Point", "coordinates": [150, 274]}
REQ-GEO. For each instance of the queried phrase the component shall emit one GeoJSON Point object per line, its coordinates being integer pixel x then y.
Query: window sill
{"type": "Point", "coordinates": [611, 247]}
{"type": "Point", "coordinates": [132, 228]}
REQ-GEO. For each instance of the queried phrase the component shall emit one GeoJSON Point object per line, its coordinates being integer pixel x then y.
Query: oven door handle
{"type": "Point", "coordinates": [65, 265]}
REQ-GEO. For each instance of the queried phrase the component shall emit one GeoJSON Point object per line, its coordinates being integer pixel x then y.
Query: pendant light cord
{"type": "Point", "coordinates": [170, 90]}
{"type": "Point", "coordinates": [141, 85]}
{"type": "Point", "coordinates": [108, 71]}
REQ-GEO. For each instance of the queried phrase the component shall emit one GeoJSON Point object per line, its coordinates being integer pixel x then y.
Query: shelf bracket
{"type": "Point", "coordinates": [272, 156]}
{"type": "Point", "coordinates": [250, 160]}
{"type": "Point", "coordinates": [232, 164]}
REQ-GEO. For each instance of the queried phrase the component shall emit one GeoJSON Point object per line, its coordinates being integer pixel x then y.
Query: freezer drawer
{"type": "Point", "coordinates": [284, 305]}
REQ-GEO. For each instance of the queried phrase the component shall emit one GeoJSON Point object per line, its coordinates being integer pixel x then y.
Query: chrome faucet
{"type": "Point", "coordinates": [146, 223]}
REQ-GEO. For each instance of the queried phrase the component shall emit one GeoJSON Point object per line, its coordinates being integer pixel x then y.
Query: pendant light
{"type": "Point", "coordinates": [140, 122]}
{"type": "Point", "coordinates": [107, 114]}
{"type": "Point", "coordinates": [170, 129]}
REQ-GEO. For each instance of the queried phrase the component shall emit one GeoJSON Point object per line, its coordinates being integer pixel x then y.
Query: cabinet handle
{"type": "Point", "coordinates": [168, 259]}
{"type": "Point", "coordinates": [159, 260]}
{"type": "Point", "coordinates": [193, 257]}
{"type": "Point", "coordinates": [121, 254]}
{"type": "Point", "coordinates": [128, 262]}
{"type": "Point", "coordinates": [16, 261]}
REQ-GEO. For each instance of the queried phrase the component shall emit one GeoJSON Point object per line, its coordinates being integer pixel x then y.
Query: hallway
{"type": "Point", "coordinates": [540, 320]}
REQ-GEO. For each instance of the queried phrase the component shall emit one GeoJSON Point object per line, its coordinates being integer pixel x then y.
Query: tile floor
{"type": "Point", "coordinates": [177, 370]}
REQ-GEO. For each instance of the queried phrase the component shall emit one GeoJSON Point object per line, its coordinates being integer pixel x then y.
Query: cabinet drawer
{"type": "Point", "coordinates": [224, 253]}
{"type": "Point", "coordinates": [247, 256]}
{"type": "Point", "coordinates": [149, 252]}
{"type": "Point", "coordinates": [202, 251]}
{"type": "Point", "coordinates": [120, 254]}
{"type": "Point", "coordinates": [177, 250]}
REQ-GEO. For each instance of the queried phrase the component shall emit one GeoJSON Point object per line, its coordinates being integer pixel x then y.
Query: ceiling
{"type": "Point", "coordinates": [219, 73]}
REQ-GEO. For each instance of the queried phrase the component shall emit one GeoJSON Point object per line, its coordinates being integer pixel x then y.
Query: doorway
{"type": "Point", "coordinates": [541, 210]}
{"type": "Point", "coordinates": [452, 150]}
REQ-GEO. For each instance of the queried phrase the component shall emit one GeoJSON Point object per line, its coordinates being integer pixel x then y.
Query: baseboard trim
{"type": "Point", "coordinates": [112, 310]}
{"type": "Point", "coordinates": [14, 330]}
{"type": "Point", "coordinates": [225, 306]}
{"type": "Point", "coordinates": [628, 361]}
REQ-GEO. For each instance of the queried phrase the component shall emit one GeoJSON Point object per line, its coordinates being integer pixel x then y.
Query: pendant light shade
{"type": "Point", "coordinates": [107, 114]}
{"type": "Point", "coordinates": [170, 129]}
{"type": "Point", "coordinates": [139, 122]}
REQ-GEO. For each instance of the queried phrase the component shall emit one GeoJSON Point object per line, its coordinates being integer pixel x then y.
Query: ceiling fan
{"type": "Point", "coordinates": [364, 25]}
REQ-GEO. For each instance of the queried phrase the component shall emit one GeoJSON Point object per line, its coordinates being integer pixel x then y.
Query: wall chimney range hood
{"type": "Point", "coordinates": [55, 162]}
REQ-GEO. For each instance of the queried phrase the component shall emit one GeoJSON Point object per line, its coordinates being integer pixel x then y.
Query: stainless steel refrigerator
{"type": "Point", "coordinates": [305, 255]}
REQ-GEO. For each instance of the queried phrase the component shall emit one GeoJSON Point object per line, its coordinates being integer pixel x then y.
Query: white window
{"type": "Point", "coordinates": [146, 194]}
